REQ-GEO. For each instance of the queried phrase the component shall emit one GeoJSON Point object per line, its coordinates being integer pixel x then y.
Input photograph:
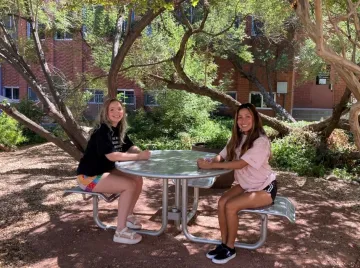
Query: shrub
{"type": "Point", "coordinates": [178, 112]}
{"type": "Point", "coordinates": [32, 111]}
{"type": "Point", "coordinates": [10, 131]}
{"type": "Point", "coordinates": [298, 152]}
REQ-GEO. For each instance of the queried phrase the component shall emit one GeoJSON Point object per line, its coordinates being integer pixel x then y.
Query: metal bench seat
{"type": "Point", "coordinates": [204, 183]}
{"type": "Point", "coordinates": [96, 197]}
{"type": "Point", "coordinates": [282, 207]}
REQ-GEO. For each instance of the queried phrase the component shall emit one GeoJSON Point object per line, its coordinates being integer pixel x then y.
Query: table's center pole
{"type": "Point", "coordinates": [177, 202]}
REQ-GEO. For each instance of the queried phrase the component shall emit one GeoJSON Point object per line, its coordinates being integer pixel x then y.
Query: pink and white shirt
{"type": "Point", "coordinates": [258, 173]}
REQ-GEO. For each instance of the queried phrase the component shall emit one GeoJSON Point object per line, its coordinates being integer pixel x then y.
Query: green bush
{"type": "Point", "coordinates": [10, 131]}
{"type": "Point", "coordinates": [178, 112]}
{"type": "Point", "coordinates": [32, 111]}
{"type": "Point", "coordinates": [298, 152]}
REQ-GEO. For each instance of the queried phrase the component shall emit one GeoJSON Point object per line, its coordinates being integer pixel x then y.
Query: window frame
{"type": "Point", "coordinates": [41, 30]}
{"type": "Point", "coordinates": [95, 92]}
{"type": "Point", "coordinates": [11, 27]}
{"type": "Point", "coordinates": [155, 95]}
{"type": "Point", "coordinates": [263, 104]}
{"type": "Point", "coordinates": [12, 92]}
{"type": "Point", "coordinates": [256, 29]}
{"type": "Point", "coordinates": [222, 105]}
{"type": "Point", "coordinates": [29, 91]}
{"type": "Point", "coordinates": [123, 90]}
{"type": "Point", "coordinates": [64, 38]}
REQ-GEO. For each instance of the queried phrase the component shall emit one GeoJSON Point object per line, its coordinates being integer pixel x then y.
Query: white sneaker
{"type": "Point", "coordinates": [133, 222]}
{"type": "Point", "coordinates": [126, 236]}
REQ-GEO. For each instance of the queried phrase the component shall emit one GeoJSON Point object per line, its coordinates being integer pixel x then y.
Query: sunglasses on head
{"type": "Point", "coordinates": [246, 105]}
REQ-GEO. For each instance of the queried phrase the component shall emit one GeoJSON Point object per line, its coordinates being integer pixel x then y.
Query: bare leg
{"type": "Point", "coordinates": [234, 191]}
{"type": "Point", "coordinates": [112, 183]}
{"type": "Point", "coordinates": [138, 187]}
{"type": "Point", "coordinates": [237, 203]}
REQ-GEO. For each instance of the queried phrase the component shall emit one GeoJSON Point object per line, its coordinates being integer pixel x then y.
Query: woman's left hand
{"type": "Point", "coordinates": [204, 164]}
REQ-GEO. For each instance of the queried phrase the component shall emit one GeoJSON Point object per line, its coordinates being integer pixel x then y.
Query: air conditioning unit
{"type": "Point", "coordinates": [281, 87]}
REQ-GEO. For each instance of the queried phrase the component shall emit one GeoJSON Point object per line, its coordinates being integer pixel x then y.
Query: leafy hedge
{"type": "Point", "coordinates": [10, 131]}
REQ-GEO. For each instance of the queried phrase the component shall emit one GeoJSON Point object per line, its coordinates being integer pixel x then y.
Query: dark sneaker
{"type": "Point", "coordinates": [212, 253]}
{"type": "Point", "coordinates": [224, 256]}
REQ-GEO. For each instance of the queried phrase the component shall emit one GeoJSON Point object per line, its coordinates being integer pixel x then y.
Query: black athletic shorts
{"type": "Point", "coordinates": [272, 189]}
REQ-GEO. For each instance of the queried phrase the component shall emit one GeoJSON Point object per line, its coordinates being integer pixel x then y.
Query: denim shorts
{"type": "Point", "coordinates": [272, 189]}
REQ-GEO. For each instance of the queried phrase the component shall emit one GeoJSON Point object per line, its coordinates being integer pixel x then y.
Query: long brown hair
{"type": "Point", "coordinates": [256, 131]}
{"type": "Point", "coordinates": [104, 119]}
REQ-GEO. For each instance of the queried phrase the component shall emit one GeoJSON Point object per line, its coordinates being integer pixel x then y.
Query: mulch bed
{"type": "Point", "coordinates": [41, 228]}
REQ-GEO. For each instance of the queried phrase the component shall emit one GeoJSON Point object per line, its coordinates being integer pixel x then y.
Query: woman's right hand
{"type": "Point", "coordinates": [144, 155]}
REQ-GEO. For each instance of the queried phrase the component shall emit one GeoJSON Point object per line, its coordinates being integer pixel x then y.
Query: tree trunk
{"type": "Point", "coordinates": [119, 56]}
{"type": "Point", "coordinates": [354, 123]}
{"type": "Point", "coordinates": [328, 125]}
{"type": "Point", "coordinates": [337, 113]}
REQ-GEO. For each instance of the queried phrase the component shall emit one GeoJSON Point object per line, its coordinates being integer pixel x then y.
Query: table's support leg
{"type": "Point", "coordinates": [263, 229]}
{"type": "Point", "coordinates": [164, 217]}
{"type": "Point", "coordinates": [96, 215]}
{"type": "Point", "coordinates": [177, 202]}
{"type": "Point", "coordinates": [195, 205]}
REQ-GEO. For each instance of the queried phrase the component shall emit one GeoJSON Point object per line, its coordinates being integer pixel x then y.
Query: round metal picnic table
{"type": "Point", "coordinates": [179, 165]}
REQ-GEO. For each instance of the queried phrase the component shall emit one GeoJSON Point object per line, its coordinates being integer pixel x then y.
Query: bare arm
{"type": "Point", "coordinates": [134, 150]}
{"type": "Point", "coordinates": [117, 156]}
{"type": "Point", "coordinates": [237, 164]}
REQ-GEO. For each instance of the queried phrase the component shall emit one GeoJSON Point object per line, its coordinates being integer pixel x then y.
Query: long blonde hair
{"type": "Point", "coordinates": [104, 119]}
{"type": "Point", "coordinates": [256, 131]}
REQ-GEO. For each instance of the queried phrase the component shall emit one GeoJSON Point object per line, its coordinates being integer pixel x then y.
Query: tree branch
{"type": "Point", "coordinates": [145, 65]}
{"type": "Point", "coordinates": [67, 147]}
{"type": "Point", "coordinates": [225, 99]}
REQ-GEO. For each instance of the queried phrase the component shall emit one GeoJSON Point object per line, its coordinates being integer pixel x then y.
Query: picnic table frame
{"type": "Point", "coordinates": [177, 165]}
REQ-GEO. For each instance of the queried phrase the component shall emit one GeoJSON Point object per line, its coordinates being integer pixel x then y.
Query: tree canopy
{"type": "Point", "coordinates": [172, 44]}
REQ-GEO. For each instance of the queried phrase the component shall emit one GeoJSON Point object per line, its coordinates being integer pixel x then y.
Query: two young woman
{"type": "Point", "coordinates": [247, 152]}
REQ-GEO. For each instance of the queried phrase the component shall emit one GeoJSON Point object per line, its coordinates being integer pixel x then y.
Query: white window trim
{"type": "Point", "coordinates": [262, 99]}
{"type": "Point", "coordinates": [92, 90]}
{"type": "Point", "coordinates": [119, 90]}
{"type": "Point", "coordinates": [12, 93]}
{"type": "Point", "coordinates": [226, 92]}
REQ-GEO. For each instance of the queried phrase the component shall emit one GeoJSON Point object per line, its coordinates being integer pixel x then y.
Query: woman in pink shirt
{"type": "Point", "coordinates": [247, 152]}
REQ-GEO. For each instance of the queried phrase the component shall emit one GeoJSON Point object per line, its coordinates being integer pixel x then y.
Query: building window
{"type": "Point", "coordinates": [41, 30]}
{"type": "Point", "coordinates": [63, 35]}
{"type": "Point", "coordinates": [10, 23]}
{"type": "Point", "coordinates": [256, 26]}
{"type": "Point", "coordinates": [97, 96]}
{"type": "Point", "coordinates": [257, 99]}
{"type": "Point", "coordinates": [124, 25]}
{"type": "Point", "coordinates": [31, 95]}
{"type": "Point", "coordinates": [11, 93]}
{"type": "Point", "coordinates": [232, 94]}
{"type": "Point", "coordinates": [127, 96]}
{"type": "Point", "coordinates": [151, 98]}
{"type": "Point", "coordinates": [323, 77]}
